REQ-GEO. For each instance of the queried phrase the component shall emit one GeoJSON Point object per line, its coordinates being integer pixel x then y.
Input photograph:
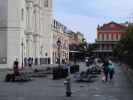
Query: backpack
{"type": "Point", "coordinates": [111, 67]}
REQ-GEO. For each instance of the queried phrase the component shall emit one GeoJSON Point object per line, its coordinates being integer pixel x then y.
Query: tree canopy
{"type": "Point", "coordinates": [124, 49]}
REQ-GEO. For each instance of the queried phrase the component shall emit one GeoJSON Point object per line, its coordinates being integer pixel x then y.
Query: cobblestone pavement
{"type": "Point", "coordinates": [48, 89]}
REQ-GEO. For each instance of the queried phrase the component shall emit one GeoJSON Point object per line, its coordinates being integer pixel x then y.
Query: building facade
{"type": "Point", "coordinates": [25, 27]}
{"type": "Point", "coordinates": [108, 36]}
{"type": "Point", "coordinates": [75, 40]}
{"type": "Point", "coordinates": [59, 34]}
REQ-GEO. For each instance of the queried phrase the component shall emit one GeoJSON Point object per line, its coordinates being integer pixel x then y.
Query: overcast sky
{"type": "Point", "coordinates": [85, 15]}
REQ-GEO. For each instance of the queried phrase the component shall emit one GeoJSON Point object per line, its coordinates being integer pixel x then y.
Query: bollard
{"type": "Point", "coordinates": [67, 83]}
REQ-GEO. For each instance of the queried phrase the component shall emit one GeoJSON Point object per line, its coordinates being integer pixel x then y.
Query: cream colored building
{"type": "Point", "coordinates": [25, 31]}
{"type": "Point", "coordinates": [59, 33]}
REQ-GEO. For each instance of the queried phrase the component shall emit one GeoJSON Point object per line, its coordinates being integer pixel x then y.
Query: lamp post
{"type": "Point", "coordinates": [59, 46]}
{"type": "Point", "coordinates": [22, 44]}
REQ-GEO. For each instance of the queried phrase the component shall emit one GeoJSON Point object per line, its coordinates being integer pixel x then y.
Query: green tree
{"type": "Point", "coordinates": [124, 49]}
{"type": "Point", "coordinates": [91, 48]}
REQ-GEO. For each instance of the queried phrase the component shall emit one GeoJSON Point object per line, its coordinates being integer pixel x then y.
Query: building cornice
{"type": "Point", "coordinates": [102, 50]}
{"type": "Point", "coordinates": [28, 33]}
{"type": "Point", "coordinates": [111, 31]}
{"type": "Point", "coordinates": [10, 28]}
{"type": "Point", "coordinates": [29, 1]}
{"type": "Point", "coordinates": [106, 42]}
{"type": "Point", "coordinates": [36, 35]}
{"type": "Point", "coordinates": [37, 6]}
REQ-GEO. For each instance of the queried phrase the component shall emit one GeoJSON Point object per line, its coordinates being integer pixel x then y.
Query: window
{"type": "Point", "coordinates": [107, 47]}
{"type": "Point", "coordinates": [102, 36]}
{"type": "Point", "coordinates": [46, 54]}
{"type": "Point", "coordinates": [22, 14]}
{"type": "Point", "coordinates": [107, 37]}
{"type": "Point", "coordinates": [46, 3]}
{"type": "Point", "coordinates": [112, 37]}
{"type": "Point", "coordinates": [98, 36]}
{"type": "Point", "coordinates": [117, 36]}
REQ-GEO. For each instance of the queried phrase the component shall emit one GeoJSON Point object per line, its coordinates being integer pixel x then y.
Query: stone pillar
{"type": "Point", "coordinates": [29, 28]}
{"type": "Point", "coordinates": [29, 15]}
{"type": "Point", "coordinates": [36, 31]}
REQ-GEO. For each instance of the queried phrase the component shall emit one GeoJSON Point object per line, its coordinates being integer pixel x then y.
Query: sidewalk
{"type": "Point", "coordinates": [3, 72]}
{"type": "Point", "coordinates": [48, 89]}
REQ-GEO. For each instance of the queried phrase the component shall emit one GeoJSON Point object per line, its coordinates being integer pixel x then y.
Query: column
{"type": "Point", "coordinates": [29, 27]}
{"type": "Point", "coordinates": [36, 33]}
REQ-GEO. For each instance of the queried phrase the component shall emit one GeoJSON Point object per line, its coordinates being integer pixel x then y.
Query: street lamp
{"type": "Point", "coordinates": [22, 44]}
{"type": "Point", "coordinates": [59, 46]}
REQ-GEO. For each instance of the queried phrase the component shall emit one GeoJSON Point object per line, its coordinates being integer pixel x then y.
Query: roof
{"type": "Point", "coordinates": [111, 26]}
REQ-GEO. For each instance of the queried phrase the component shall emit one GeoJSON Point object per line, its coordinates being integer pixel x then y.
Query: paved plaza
{"type": "Point", "coordinates": [48, 89]}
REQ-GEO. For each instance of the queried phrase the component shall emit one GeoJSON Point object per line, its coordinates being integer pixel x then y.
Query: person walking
{"type": "Point", "coordinates": [30, 62]}
{"type": "Point", "coordinates": [25, 62]}
{"type": "Point", "coordinates": [111, 70]}
{"type": "Point", "coordinates": [105, 69]}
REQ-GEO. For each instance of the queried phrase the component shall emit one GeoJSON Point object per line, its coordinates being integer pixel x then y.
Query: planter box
{"type": "Point", "coordinates": [74, 69]}
{"type": "Point", "coordinates": [59, 73]}
{"type": "Point", "coordinates": [10, 77]}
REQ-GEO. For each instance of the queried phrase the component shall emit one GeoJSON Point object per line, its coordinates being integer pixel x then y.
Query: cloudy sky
{"type": "Point", "coordinates": [85, 15]}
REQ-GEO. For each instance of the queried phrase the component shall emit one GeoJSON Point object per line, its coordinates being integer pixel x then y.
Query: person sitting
{"type": "Point", "coordinates": [16, 67]}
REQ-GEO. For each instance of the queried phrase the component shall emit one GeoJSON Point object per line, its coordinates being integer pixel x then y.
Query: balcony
{"type": "Point", "coordinates": [102, 50]}
{"type": "Point", "coordinates": [106, 42]}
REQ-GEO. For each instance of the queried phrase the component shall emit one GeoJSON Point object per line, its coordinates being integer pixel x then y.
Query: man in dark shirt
{"type": "Point", "coordinates": [105, 69]}
{"type": "Point", "coordinates": [16, 67]}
